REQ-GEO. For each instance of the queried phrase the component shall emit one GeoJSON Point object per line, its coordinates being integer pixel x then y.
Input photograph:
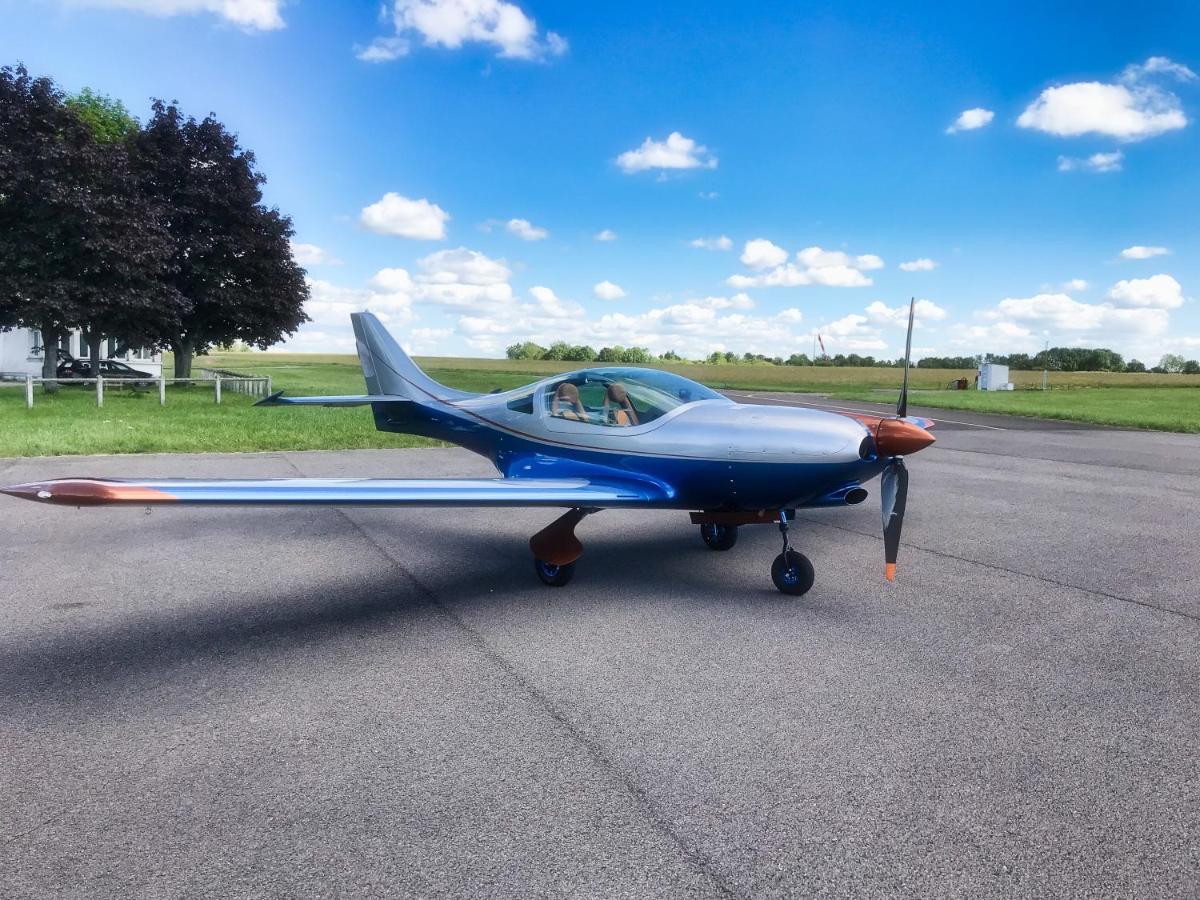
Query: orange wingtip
{"type": "Point", "coordinates": [891, 571]}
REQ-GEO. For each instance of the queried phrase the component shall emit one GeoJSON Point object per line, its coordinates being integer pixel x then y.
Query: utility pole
{"type": "Point", "coordinates": [1046, 364]}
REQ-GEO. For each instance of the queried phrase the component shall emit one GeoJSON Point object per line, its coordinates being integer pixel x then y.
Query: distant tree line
{"type": "Point", "coordinates": [1055, 359]}
{"type": "Point", "coordinates": [155, 234]}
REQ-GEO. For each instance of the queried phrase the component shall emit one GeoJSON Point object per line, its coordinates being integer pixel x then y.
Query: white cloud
{"type": "Point", "coordinates": [1075, 284]}
{"type": "Point", "coordinates": [400, 216]}
{"type": "Point", "coordinates": [708, 195]}
{"type": "Point", "coordinates": [831, 268]}
{"type": "Point", "coordinates": [1155, 292]}
{"type": "Point", "coordinates": [1140, 252]}
{"type": "Point", "coordinates": [971, 119]}
{"type": "Point", "coordinates": [383, 49]}
{"type": "Point", "coordinates": [713, 243]}
{"type": "Point", "coordinates": [1131, 109]}
{"type": "Point", "coordinates": [392, 281]}
{"type": "Point", "coordinates": [1097, 162]}
{"type": "Point", "coordinates": [923, 311]}
{"type": "Point", "coordinates": [606, 234]}
{"type": "Point", "coordinates": [250, 15]}
{"type": "Point", "coordinates": [606, 290]}
{"type": "Point", "coordinates": [312, 255]}
{"type": "Point", "coordinates": [762, 254]}
{"type": "Point", "coordinates": [918, 265]}
{"type": "Point", "coordinates": [547, 303]}
{"type": "Point", "coordinates": [1061, 313]}
{"type": "Point", "coordinates": [463, 278]}
{"type": "Point", "coordinates": [676, 152]}
{"type": "Point", "coordinates": [454, 23]}
{"type": "Point", "coordinates": [526, 230]}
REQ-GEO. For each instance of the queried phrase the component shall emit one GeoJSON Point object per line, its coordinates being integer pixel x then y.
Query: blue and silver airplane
{"type": "Point", "coordinates": [586, 441]}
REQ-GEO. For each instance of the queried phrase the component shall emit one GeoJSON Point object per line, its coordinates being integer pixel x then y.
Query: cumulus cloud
{"type": "Point", "coordinates": [606, 290]}
{"type": "Point", "coordinates": [1132, 108]}
{"type": "Point", "coordinates": [1097, 162]}
{"type": "Point", "coordinates": [312, 255]}
{"type": "Point", "coordinates": [1139, 252]}
{"type": "Point", "coordinates": [1155, 292]}
{"type": "Point", "coordinates": [713, 243]}
{"type": "Point", "coordinates": [1061, 313]}
{"type": "Point", "coordinates": [249, 15]}
{"type": "Point", "coordinates": [814, 265]}
{"type": "Point", "coordinates": [1075, 284]}
{"type": "Point", "coordinates": [451, 24]}
{"type": "Point", "coordinates": [918, 265]}
{"type": "Point", "coordinates": [606, 234]}
{"type": "Point", "coordinates": [676, 152]}
{"type": "Point", "coordinates": [971, 119]}
{"type": "Point", "coordinates": [400, 216]}
{"type": "Point", "coordinates": [923, 311]}
{"type": "Point", "coordinates": [762, 254]}
{"type": "Point", "coordinates": [526, 230]}
{"type": "Point", "coordinates": [547, 303]}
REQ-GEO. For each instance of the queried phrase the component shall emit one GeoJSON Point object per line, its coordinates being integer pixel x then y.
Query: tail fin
{"type": "Point", "coordinates": [389, 370]}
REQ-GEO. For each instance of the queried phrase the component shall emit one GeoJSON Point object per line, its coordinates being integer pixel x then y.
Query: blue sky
{"type": "Point", "coordinates": [450, 164]}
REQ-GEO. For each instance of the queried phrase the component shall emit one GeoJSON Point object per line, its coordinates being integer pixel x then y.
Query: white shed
{"type": "Point", "coordinates": [994, 377]}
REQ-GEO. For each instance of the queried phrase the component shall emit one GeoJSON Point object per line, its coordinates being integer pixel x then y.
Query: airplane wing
{"type": "Point", "coordinates": [277, 399]}
{"type": "Point", "coordinates": [552, 492]}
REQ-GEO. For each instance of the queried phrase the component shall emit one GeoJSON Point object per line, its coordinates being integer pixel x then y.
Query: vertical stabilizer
{"type": "Point", "coordinates": [389, 370]}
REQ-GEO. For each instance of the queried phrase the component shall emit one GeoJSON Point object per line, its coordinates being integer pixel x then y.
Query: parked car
{"type": "Point", "coordinates": [109, 368]}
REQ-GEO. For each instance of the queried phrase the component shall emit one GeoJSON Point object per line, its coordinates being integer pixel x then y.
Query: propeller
{"type": "Point", "coordinates": [897, 436]}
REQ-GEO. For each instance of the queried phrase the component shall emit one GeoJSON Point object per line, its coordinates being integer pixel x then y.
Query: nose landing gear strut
{"type": "Point", "coordinates": [791, 571]}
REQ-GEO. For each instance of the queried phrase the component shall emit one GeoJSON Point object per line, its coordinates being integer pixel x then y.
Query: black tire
{"type": "Point", "coordinates": [552, 575]}
{"type": "Point", "coordinates": [718, 537]}
{"type": "Point", "coordinates": [794, 574]}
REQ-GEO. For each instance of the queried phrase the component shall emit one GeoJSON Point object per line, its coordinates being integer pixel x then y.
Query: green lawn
{"type": "Point", "coordinates": [1163, 409]}
{"type": "Point", "coordinates": [133, 422]}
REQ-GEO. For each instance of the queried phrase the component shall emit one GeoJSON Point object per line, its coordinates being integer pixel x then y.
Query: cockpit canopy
{"type": "Point", "coordinates": [620, 397]}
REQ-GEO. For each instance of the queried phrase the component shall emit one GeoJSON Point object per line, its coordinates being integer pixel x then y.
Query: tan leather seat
{"type": "Point", "coordinates": [618, 408]}
{"type": "Point", "coordinates": [566, 403]}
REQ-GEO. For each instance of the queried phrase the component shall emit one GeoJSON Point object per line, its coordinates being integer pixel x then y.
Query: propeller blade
{"type": "Point", "coordinates": [902, 405]}
{"type": "Point", "coordinates": [893, 491]}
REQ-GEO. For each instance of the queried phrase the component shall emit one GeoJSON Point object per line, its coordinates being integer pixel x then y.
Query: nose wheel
{"type": "Point", "coordinates": [552, 575]}
{"type": "Point", "coordinates": [791, 571]}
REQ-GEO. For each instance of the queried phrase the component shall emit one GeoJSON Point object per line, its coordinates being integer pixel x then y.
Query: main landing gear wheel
{"type": "Point", "coordinates": [719, 537]}
{"type": "Point", "coordinates": [792, 573]}
{"type": "Point", "coordinates": [552, 575]}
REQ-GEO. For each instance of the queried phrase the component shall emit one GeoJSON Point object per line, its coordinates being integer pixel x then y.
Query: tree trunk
{"type": "Point", "coordinates": [49, 358]}
{"type": "Point", "coordinates": [183, 350]}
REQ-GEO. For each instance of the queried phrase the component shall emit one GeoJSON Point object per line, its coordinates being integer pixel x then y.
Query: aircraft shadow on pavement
{"type": "Point", "coordinates": [67, 665]}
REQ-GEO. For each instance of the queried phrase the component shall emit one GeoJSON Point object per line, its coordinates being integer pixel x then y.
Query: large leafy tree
{"type": "Point", "coordinates": [231, 260]}
{"type": "Point", "coordinates": [81, 243]}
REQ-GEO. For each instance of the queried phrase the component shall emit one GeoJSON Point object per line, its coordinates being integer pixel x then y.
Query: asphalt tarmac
{"type": "Point", "coordinates": [316, 702]}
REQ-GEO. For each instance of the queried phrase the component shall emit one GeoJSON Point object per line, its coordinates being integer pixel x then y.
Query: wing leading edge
{"type": "Point", "coordinates": [559, 492]}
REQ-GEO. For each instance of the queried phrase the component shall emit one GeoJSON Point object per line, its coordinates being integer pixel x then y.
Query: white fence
{"type": "Point", "coordinates": [254, 385]}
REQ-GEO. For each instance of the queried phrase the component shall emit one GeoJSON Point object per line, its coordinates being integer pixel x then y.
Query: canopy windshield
{"type": "Point", "coordinates": [622, 397]}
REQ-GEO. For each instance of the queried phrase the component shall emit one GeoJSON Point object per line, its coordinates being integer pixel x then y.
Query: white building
{"type": "Point", "coordinates": [21, 352]}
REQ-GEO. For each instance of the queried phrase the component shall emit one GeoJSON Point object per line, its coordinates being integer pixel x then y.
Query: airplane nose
{"type": "Point", "coordinates": [896, 437]}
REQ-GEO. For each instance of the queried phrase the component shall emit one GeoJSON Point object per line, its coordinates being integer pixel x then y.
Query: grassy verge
{"type": "Point", "coordinates": [133, 422]}
{"type": "Point", "coordinates": [1162, 409]}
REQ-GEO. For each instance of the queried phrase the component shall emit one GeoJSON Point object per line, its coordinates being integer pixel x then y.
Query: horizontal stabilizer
{"type": "Point", "coordinates": [555, 492]}
{"type": "Point", "coordinates": [277, 399]}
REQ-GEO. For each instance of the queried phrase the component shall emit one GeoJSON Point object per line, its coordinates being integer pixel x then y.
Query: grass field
{"type": "Point", "coordinates": [133, 422]}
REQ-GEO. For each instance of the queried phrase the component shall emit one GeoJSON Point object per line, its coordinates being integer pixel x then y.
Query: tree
{"type": "Point", "coordinates": [231, 259]}
{"type": "Point", "coordinates": [525, 350]}
{"type": "Point", "coordinates": [580, 353]}
{"type": "Point", "coordinates": [127, 294]}
{"type": "Point", "coordinates": [80, 240]}
{"type": "Point", "coordinates": [107, 119]}
{"type": "Point", "coordinates": [1191, 367]}
{"type": "Point", "coordinates": [1135, 365]}
{"type": "Point", "coordinates": [1172, 363]}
